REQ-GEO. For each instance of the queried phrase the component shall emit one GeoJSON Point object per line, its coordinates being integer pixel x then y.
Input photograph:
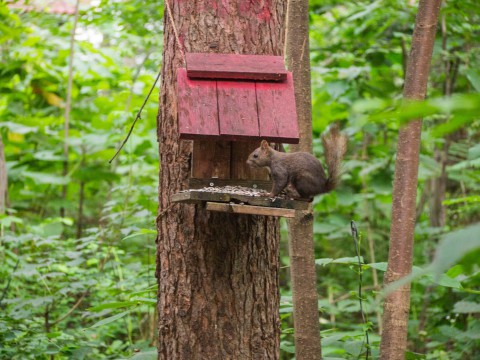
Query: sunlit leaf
{"type": "Point", "coordinates": [110, 319]}
{"type": "Point", "coordinates": [466, 307]}
{"type": "Point", "coordinates": [454, 246]}
{"type": "Point", "coordinates": [473, 76]}
{"type": "Point", "coordinates": [113, 305]}
{"type": "Point", "coordinates": [43, 178]}
{"type": "Point", "coordinates": [146, 355]}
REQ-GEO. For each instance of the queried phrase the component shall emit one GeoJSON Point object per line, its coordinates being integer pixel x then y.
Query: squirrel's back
{"type": "Point", "coordinates": [301, 169]}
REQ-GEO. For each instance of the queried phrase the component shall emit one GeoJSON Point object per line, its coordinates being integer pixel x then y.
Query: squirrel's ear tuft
{"type": "Point", "coordinates": [264, 145]}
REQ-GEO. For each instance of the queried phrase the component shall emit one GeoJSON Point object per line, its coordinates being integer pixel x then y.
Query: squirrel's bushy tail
{"type": "Point", "coordinates": [335, 146]}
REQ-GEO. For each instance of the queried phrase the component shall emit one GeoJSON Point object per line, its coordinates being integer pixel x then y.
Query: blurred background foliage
{"type": "Point", "coordinates": [83, 286]}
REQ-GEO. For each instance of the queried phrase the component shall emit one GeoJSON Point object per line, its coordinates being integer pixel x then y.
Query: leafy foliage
{"type": "Point", "coordinates": [82, 286]}
{"type": "Point", "coordinates": [90, 258]}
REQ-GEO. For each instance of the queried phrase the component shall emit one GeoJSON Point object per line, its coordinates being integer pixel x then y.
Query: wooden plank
{"type": "Point", "coordinates": [235, 66]}
{"type": "Point", "coordinates": [201, 195]}
{"type": "Point", "coordinates": [190, 197]}
{"type": "Point", "coordinates": [197, 107]}
{"type": "Point", "coordinates": [211, 159]}
{"type": "Point", "coordinates": [250, 210]}
{"type": "Point", "coordinates": [277, 112]}
{"type": "Point", "coordinates": [195, 183]}
{"type": "Point", "coordinates": [237, 110]}
{"type": "Point", "coordinates": [181, 197]}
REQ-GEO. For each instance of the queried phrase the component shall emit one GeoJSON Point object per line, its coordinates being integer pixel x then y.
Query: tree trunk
{"type": "Point", "coordinates": [3, 179]}
{"type": "Point", "coordinates": [397, 303]}
{"type": "Point", "coordinates": [68, 105]}
{"type": "Point", "coordinates": [218, 295]}
{"type": "Point", "coordinates": [301, 246]}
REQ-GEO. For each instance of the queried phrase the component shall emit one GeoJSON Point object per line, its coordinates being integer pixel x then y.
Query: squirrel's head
{"type": "Point", "coordinates": [260, 157]}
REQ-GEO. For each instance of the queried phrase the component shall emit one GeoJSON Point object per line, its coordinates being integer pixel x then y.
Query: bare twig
{"type": "Point", "coordinates": [136, 118]}
{"type": "Point", "coordinates": [72, 309]}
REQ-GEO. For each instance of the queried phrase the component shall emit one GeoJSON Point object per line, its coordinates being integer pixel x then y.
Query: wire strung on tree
{"type": "Point", "coordinates": [175, 31]}
{"type": "Point", "coordinates": [354, 230]}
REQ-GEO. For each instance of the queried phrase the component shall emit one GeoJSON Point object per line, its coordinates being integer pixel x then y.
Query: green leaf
{"type": "Point", "coordinates": [455, 271]}
{"type": "Point", "coordinates": [53, 335]}
{"type": "Point", "coordinates": [466, 307]}
{"type": "Point", "coordinates": [147, 355]}
{"type": "Point", "coordinates": [287, 347]}
{"type": "Point", "coordinates": [150, 289]}
{"type": "Point", "coordinates": [454, 246]}
{"type": "Point", "coordinates": [446, 281]}
{"type": "Point", "coordinates": [473, 76]}
{"type": "Point", "coordinates": [463, 200]}
{"type": "Point", "coordinates": [18, 128]}
{"type": "Point", "coordinates": [110, 319]}
{"type": "Point", "coordinates": [145, 301]}
{"type": "Point", "coordinates": [414, 356]}
{"type": "Point", "coordinates": [48, 155]}
{"type": "Point", "coordinates": [43, 178]}
{"type": "Point", "coordinates": [9, 220]}
{"type": "Point", "coordinates": [142, 232]}
{"type": "Point", "coordinates": [348, 260]}
{"type": "Point", "coordinates": [286, 310]}
{"type": "Point", "coordinates": [113, 305]}
{"type": "Point", "coordinates": [323, 261]}
{"type": "Point", "coordinates": [382, 266]}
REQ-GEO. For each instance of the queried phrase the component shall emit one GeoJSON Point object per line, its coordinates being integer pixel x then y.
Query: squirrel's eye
{"type": "Point", "coordinates": [255, 156]}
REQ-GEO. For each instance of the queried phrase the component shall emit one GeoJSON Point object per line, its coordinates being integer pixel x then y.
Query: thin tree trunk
{"type": "Point", "coordinates": [81, 199]}
{"type": "Point", "coordinates": [371, 240]}
{"type": "Point", "coordinates": [3, 179]}
{"type": "Point", "coordinates": [400, 257]}
{"type": "Point", "coordinates": [376, 286]}
{"type": "Point", "coordinates": [68, 104]}
{"type": "Point", "coordinates": [301, 246]}
{"type": "Point", "coordinates": [218, 292]}
{"type": "Point", "coordinates": [438, 186]}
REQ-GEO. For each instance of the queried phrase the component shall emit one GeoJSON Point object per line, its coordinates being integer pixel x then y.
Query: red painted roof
{"type": "Point", "coordinates": [218, 106]}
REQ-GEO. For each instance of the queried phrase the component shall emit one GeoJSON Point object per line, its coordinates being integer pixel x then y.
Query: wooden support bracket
{"type": "Point", "coordinates": [250, 210]}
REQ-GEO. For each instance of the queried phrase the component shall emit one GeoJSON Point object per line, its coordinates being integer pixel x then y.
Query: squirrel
{"type": "Point", "coordinates": [301, 170]}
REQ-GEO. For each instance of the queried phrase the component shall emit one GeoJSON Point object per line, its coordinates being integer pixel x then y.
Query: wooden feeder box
{"type": "Point", "coordinates": [227, 104]}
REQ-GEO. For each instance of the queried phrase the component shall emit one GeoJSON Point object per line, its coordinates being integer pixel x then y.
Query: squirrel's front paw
{"type": "Point", "coordinates": [272, 196]}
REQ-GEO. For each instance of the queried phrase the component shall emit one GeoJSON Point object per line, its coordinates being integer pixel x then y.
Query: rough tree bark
{"type": "Point", "coordinates": [301, 246]}
{"type": "Point", "coordinates": [438, 186]}
{"type": "Point", "coordinates": [397, 303]}
{"type": "Point", "coordinates": [218, 292]}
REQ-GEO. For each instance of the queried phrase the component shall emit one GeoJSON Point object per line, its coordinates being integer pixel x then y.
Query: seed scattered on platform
{"type": "Point", "coordinates": [236, 190]}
